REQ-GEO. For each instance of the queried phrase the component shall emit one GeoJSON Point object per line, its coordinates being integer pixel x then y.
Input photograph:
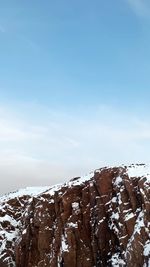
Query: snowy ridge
{"type": "Point", "coordinates": [11, 220]}
{"type": "Point", "coordinates": [139, 170]}
{"type": "Point", "coordinates": [28, 191]}
{"type": "Point", "coordinates": [38, 190]}
{"type": "Point", "coordinates": [134, 170]}
{"type": "Point", "coordinates": [11, 233]}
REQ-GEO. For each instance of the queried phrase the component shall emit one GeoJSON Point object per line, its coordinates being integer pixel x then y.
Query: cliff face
{"type": "Point", "coordinates": [99, 220]}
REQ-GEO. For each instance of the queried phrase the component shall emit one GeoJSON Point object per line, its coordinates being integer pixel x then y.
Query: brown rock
{"type": "Point", "coordinates": [95, 223]}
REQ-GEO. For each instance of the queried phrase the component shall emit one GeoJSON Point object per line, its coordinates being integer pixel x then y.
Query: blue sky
{"type": "Point", "coordinates": [74, 52]}
{"type": "Point", "coordinates": [67, 67]}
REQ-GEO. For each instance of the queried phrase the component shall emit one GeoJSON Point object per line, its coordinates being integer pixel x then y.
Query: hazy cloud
{"type": "Point", "coordinates": [52, 147]}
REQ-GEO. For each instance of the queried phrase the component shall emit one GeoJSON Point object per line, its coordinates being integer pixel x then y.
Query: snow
{"type": "Point", "coordinates": [53, 189]}
{"type": "Point", "coordinates": [73, 225]}
{"type": "Point", "coordinates": [139, 170]}
{"type": "Point", "coordinates": [36, 191]}
{"type": "Point", "coordinates": [31, 192]}
{"type": "Point", "coordinates": [117, 261]}
{"type": "Point", "coordinates": [75, 205]}
{"type": "Point", "coordinates": [28, 191]}
{"type": "Point", "coordinates": [115, 216]}
{"type": "Point", "coordinates": [137, 229]}
{"type": "Point", "coordinates": [114, 200]}
{"type": "Point", "coordinates": [112, 225]}
{"type": "Point", "coordinates": [129, 216]}
{"type": "Point", "coordinates": [9, 236]}
{"type": "Point", "coordinates": [24, 231]}
{"type": "Point", "coordinates": [118, 181]}
{"type": "Point", "coordinates": [147, 249]}
{"type": "Point", "coordinates": [8, 218]}
{"type": "Point", "coordinates": [102, 220]}
{"type": "Point", "coordinates": [81, 180]}
{"type": "Point", "coordinates": [64, 245]}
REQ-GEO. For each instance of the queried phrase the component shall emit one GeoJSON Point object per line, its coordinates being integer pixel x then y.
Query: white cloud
{"type": "Point", "coordinates": [140, 7]}
{"type": "Point", "coordinates": [52, 147]}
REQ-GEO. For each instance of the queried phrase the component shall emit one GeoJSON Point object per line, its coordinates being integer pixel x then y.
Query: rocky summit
{"type": "Point", "coordinates": [102, 219]}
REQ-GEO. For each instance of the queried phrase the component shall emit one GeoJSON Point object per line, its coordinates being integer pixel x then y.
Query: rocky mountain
{"type": "Point", "coordinates": [102, 219]}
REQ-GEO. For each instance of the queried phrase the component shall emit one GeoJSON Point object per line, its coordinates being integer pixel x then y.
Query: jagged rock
{"type": "Point", "coordinates": [95, 221]}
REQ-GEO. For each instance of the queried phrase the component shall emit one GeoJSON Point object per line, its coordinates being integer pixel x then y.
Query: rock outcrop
{"type": "Point", "coordinates": [99, 220]}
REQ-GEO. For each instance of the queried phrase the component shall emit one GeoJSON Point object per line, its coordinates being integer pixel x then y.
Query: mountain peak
{"type": "Point", "coordinates": [101, 219]}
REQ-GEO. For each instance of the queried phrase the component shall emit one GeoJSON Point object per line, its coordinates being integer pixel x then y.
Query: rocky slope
{"type": "Point", "coordinates": [98, 220]}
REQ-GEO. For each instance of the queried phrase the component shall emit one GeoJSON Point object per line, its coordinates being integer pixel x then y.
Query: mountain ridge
{"type": "Point", "coordinates": [104, 215]}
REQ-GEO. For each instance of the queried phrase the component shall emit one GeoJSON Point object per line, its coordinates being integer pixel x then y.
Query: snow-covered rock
{"type": "Point", "coordinates": [101, 219]}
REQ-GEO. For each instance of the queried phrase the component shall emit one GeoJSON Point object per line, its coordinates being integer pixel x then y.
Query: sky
{"type": "Point", "coordinates": [74, 88]}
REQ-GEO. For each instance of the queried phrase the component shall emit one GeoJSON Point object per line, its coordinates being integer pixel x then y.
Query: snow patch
{"type": "Point", "coordinates": [75, 205]}
{"type": "Point", "coordinates": [128, 216]}
{"type": "Point", "coordinates": [118, 181]}
{"type": "Point", "coordinates": [139, 170]}
{"type": "Point", "coordinates": [117, 261]}
{"type": "Point", "coordinates": [73, 225]}
{"type": "Point", "coordinates": [28, 191]}
{"type": "Point", "coordinates": [64, 245]}
{"type": "Point", "coordinates": [81, 180]}
{"type": "Point", "coordinates": [147, 249]}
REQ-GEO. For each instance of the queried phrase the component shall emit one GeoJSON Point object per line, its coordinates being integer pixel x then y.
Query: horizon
{"type": "Point", "coordinates": [75, 89]}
